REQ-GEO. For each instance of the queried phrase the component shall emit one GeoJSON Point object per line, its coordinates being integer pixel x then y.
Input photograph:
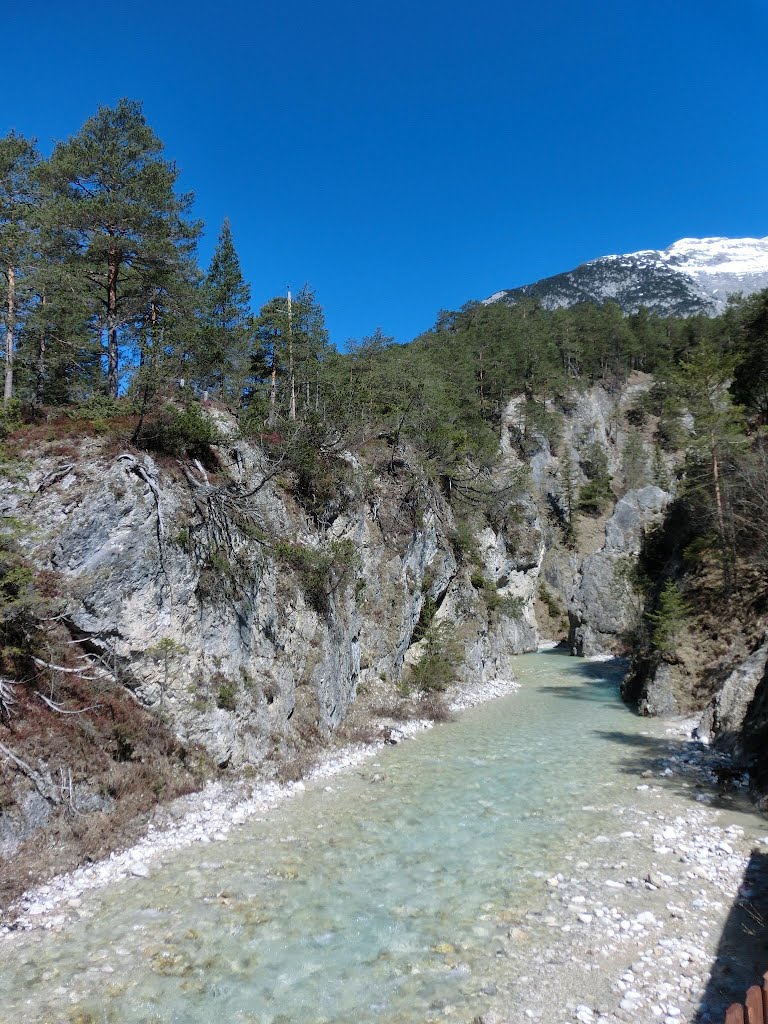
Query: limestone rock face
{"type": "Point", "coordinates": [753, 745]}
{"type": "Point", "coordinates": [590, 583]}
{"type": "Point", "coordinates": [734, 710]}
{"type": "Point", "coordinates": [603, 606]}
{"type": "Point", "coordinates": [659, 696]}
{"type": "Point", "coordinates": [184, 587]}
{"type": "Point", "coordinates": [633, 514]}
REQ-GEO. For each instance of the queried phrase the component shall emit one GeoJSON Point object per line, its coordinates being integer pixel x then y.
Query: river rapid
{"type": "Point", "coordinates": [388, 895]}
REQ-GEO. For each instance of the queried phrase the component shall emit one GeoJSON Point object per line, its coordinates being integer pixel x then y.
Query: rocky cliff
{"type": "Point", "coordinates": [590, 578]}
{"type": "Point", "coordinates": [212, 600]}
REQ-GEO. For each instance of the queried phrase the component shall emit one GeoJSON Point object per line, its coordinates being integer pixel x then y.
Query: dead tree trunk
{"type": "Point", "coordinates": [113, 267]}
{"type": "Point", "coordinates": [10, 328]}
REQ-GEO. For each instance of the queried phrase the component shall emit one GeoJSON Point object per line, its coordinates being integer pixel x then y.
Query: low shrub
{"type": "Point", "coordinates": [434, 706]}
{"type": "Point", "coordinates": [594, 497]}
{"type": "Point", "coordinates": [296, 766]}
{"type": "Point", "coordinates": [668, 618]}
{"type": "Point", "coordinates": [178, 431]}
{"type": "Point", "coordinates": [426, 615]}
{"type": "Point", "coordinates": [226, 697]}
{"type": "Point", "coordinates": [437, 668]}
{"type": "Point", "coordinates": [319, 479]}
{"type": "Point", "coordinates": [464, 544]}
{"type": "Point", "coordinates": [10, 418]}
{"type": "Point", "coordinates": [97, 411]}
{"type": "Point", "coordinates": [551, 603]}
{"type": "Point", "coordinates": [321, 571]}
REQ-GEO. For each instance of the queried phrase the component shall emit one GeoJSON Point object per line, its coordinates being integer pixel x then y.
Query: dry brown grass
{"type": "Point", "coordinates": [297, 766]}
{"type": "Point", "coordinates": [116, 751]}
{"type": "Point", "coordinates": [435, 707]}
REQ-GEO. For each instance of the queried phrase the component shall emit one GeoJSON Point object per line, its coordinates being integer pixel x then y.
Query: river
{"type": "Point", "coordinates": [380, 897]}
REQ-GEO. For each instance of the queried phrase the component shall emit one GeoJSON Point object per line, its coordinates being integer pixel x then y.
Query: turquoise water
{"type": "Point", "coordinates": [381, 901]}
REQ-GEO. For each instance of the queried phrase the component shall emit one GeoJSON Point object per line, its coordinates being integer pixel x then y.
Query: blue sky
{"type": "Point", "coordinates": [405, 157]}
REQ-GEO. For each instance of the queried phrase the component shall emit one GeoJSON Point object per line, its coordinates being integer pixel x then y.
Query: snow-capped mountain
{"type": "Point", "coordinates": [694, 275]}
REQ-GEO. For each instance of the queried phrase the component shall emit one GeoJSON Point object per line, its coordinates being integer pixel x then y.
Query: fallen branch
{"type": "Point", "coordinates": [69, 671]}
{"type": "Point", "coordinates": [7, 698]}
{"type": "Point", "coordinates": [134, 466]}
{"type": "Point", "coordinates": [199, 467]}
{"type": "Point", "coordinates": [63, 711]}
{"type": "Point", "coordinates": [54, 477]}
{"type": "Point", "coordinates": [67, 791]}
{"type": "Point", "coordinates": [265, 479]}
{"type": "Point", "coordinates": [34, 777]}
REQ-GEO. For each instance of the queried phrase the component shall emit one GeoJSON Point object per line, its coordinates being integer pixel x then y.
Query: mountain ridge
{"type": "Point", "coordinates": [690, 276]}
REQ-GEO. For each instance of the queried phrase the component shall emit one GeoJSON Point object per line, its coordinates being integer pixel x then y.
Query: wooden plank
{"type": "Point", "coordinates": [765, 995]}
{"type": "Point", "coordinates": [754, 1003]}
{"type": "Point", "coordinates": [735, 1014]}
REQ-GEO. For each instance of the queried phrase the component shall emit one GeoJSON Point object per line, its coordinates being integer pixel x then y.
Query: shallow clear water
{"type": "Point", "coordinates": [380, 901]}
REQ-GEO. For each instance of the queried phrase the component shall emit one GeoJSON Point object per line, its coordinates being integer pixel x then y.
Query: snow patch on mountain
{"type": "Point", "coordinates": [693, 275]}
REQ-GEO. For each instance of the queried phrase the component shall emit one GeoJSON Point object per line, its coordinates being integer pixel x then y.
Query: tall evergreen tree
{"type": "Point", "coordinates": [634, 462]}
{"type": "Point", "coordinates": [750, 381]}
{"type": "Point", "coordinates": [702, 382]}
{"type": "Point", "coordinates": [18, 245]}
{"type": "Point", "coordinates": [227, 321]}
{"type": "Point", "coordinates": [294, 343]}
{"type": "Point", "coordinates": [114, 195]}
{"type": "Point", "coordinates": [308, 341]}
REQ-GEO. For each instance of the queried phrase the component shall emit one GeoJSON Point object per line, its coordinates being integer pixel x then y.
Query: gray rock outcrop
{"type": "Point", "coordinates": [221, 604]}
{"type": "Point", "coordinates": [604, 606]}
{"type": "Point", "coordinates": [732, 709]}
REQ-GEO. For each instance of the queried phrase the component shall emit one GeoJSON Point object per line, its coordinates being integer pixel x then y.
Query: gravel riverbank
{"type": "Point", "coordinates": [208, 816]}
{"type": "Point", "coordinates": [664, 919]}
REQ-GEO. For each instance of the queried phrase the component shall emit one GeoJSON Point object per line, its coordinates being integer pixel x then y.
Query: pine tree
{"type": "Point", "coordinates": [113, 195]}
{"type": "Point", "coordinates": [596, 493]}
{"type": "Point", "coordinates": [309, 345]}
{"type": "Point", "coordinates": [702, 382]}
{"type": "Point", "coordinates": [294, 346]}
{"type": "Point", "coordinates": [18, 243]}
{"type": "Point", "coordinates": [668, 618]}
{"type": "Point", "coordinates": [634, 462]}
{"type": "Point", "coordinates": [659, 470]}
{"type": "Point", "coordinates": [227, 322]}
{"type": "Point", "coordinates": [750, 382]}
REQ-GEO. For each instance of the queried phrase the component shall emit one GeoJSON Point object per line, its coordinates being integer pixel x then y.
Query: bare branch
{"type": "Point", "coordinates": [45, 790]}
{"type": "Point", "coordinates": [63, 711]}
{"type": "Point", "coordinates": [7, 698]}
{"type": "Point", "coordinates": [54, 477]}
{"type": "Point", "coordinates": [69, 671]}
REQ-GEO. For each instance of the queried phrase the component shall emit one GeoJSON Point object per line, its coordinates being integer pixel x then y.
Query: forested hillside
{"type": "Point", "coordinates": [103, 300]}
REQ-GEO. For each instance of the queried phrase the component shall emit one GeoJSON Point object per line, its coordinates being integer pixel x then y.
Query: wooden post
{"type": "Point", "coordinates": [765, 995]}
{"type": "Point", "coordinates": [735, 1014]}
